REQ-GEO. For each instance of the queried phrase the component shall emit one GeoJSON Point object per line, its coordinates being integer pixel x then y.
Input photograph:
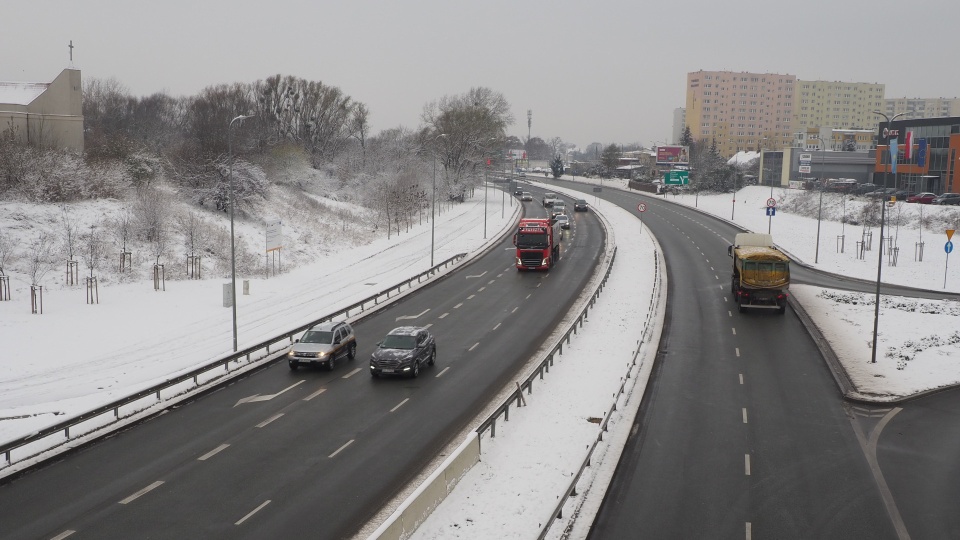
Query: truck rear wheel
{"type": "Point", "coordinates": [783, 309]}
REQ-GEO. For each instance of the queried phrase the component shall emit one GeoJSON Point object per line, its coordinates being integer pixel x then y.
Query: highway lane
{"type": "Point", "coordinates": [327, 449]}
{"type": "Point", "coordinates": [742, 431]}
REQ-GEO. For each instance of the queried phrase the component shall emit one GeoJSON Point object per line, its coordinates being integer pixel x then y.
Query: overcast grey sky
{"type": "Point", "coordinates": [603, 71]}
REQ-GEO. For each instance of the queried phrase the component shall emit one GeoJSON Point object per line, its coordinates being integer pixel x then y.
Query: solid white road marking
{"type": "Point", "coordinates": [746, 464]}
{"type": "Point", "coordinates": [352, 373]}
{"type": "Point", "coordinates": [444, 371]}
{"type": "Point", "coordinates": [741, 378]}
{"type": "Point", "coordinates": [142, 492]}
{"type": "Point", "coordinates": [63, 535]}
{"type": "Point", "coordinates": [315, 394]}
{"type": "Point", "coordinates": [734, 330]}
{"type": "Point", "coordinates": [749, 531]}
{"type": "Point", "coordinates": [213, 452]}
{"type": "Point", "coordinates": [268, 420]}
{"type": "Point", "coordinates": [348, 443]}
{"type": "Point", "coordinates": [400, 404]}
{"type": "Point", "coordinates": [404, 317]}
{"type": "Point", "coordinates": [474, 346]}
{"type": "Point", "coordinates": [738, 352]}
{"type": "Point", "coordinates": [252, 512]}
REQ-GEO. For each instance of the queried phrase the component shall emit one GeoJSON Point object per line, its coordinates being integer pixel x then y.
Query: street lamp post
{"type": "Point", "coordinates": [433, 200]}
{"type": "Point", "coordinates": [233, 250]}
{"type": "Point", "coordinates": [883, 215]}
{"type": "Point", "coordinates": [823, 150]}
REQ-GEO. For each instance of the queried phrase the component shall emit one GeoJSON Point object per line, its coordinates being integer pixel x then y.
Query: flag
{"type": "Point", "coordinates": [908, 146]}
{"type": "Point", "coordinates": [921, 152]}
{"type": "Point", "coordinates": [893, 155]}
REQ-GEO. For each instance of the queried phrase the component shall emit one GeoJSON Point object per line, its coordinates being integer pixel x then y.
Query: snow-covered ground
{"type": "Point", "coordinates": [137, 336]}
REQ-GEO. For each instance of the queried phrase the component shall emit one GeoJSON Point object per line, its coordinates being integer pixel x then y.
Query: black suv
{"type": "Point", "coordinates": [323, 344]}
{"type": "Point", "coordinates": [580, 205]}
{"type": "Point", "coordinates": [403, 351]}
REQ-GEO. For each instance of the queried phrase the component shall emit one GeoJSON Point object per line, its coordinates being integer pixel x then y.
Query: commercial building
{"type": "Point", "coordinates": [47, 115]}
{"type": "Point", "coordinates": [917, 108]}
{"type": "Point", "coordinates": [740, 110]}
{"type": "Point", "coordinates": [838, 140]}
{"type": "Point", "coordinates": [836, 105]}
{"type": "Point", "coordinates": [933, 158]}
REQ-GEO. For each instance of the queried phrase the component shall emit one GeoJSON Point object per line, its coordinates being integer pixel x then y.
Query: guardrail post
{"type": "Point", "coordinates": [493, 428]}
{"type": "Point", "coordinates": [66, 431]}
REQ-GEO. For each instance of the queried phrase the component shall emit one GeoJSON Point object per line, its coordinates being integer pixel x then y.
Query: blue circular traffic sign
{"type": "Point", "coordinates": [948, 247]}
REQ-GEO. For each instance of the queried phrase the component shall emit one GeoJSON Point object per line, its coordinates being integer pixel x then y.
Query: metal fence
{"type": "Point", "coordinates": [216, 371]}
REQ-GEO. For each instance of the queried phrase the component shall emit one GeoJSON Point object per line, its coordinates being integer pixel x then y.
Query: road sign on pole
{"type": "Point", "coordinates": [676, 178]}
{"type": "Point", "coordinates": [771, 203]}
{"type": "Point", "coordinates": [642, 207]}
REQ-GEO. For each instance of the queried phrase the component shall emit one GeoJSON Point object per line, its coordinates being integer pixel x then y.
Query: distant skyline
{"type": "Point", "coordinates": [611, 72]}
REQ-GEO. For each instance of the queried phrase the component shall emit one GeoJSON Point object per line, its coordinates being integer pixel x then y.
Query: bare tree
{"type": "Point", "coordinates": [40, 258]}
{"type": "Point", "coordinates": [70, 232]}
{"type": "Point", "coordinates": [193, 229]}
{"type": "Point", "coordinates": [122, 229]}
{"type": "Point", "coordinates": [473, 126]}
{"type": "Point", "coordinates": [7, 246]}
{"type": "Point", "coordinates": [150, 213]}
{"type": "Point", "coordinates": [93, 248]}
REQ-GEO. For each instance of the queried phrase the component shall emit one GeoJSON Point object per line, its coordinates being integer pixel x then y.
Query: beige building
{"type": "Point", "coordinates": [837, 105]}
{"type": "Point", "coordinates": [47, 115]}
{"type": "Point", "coordinates": [837, 140]}
{"type": "Point", "coordinates": [741, 110]}
{"type": "Point", "coordinates": [917, 108]}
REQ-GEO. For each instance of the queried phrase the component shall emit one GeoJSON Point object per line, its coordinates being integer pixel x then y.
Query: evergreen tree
{"type": "Point", "coordinates": [557, 167]}
{"type": "Point", "coordinates": [686, 139]}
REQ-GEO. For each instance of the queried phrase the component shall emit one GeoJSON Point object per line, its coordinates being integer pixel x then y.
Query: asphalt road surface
{"type": "Point", "coordinates": [310, 453]}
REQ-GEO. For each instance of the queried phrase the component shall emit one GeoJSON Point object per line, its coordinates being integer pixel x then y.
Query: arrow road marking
{"type": "Point", "coordinates": [402, 317]}
{"type": "Point", "coordinates": [268, 397]}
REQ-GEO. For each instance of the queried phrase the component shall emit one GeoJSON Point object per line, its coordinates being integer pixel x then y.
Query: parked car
{"type": "Point", "coordinates": [563, 220]}
{"type": "Point", "coordinates": [947, 198]}
{"type": "Point", "coordinates": [527, 196]}
{"type": "Point", "coordinates": [863, 189]}
{"type": "Point", "coordinates": [580, 205]}
{"type": "Point", "coordinates": [923, 198]}
{"type": "Point", "coordinates": [902, 194]}
{"type": "Point", "coordinates": [882, 193]}
{"type": "Point", "coordinates": [403, 351]}
{"type": "Point", "coordinates": [323, 345]}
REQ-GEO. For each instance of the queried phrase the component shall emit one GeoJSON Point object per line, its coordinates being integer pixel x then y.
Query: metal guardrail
{"type": "Point", "coordinates": [544, 366]}
{"type": "Point", "coordinates": [240, 359]}
{"type": "Point", "coordinates": [571, 490]}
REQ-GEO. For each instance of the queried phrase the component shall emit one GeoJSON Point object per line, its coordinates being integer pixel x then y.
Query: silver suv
{"type": "Point", "coordinates": [323, 344]}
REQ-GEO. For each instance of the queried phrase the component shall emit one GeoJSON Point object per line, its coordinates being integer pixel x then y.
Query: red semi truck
{"type": "Point", "coordinates": [538, 244]}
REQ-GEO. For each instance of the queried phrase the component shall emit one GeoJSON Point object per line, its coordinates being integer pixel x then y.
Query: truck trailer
{"type": "Point", "coordinates": [761, 273]}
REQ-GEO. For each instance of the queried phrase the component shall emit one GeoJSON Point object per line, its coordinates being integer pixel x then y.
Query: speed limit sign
{"type": "Point", "coordinates": [642, 207]}
{"type": "Point", "coordinates": [771, 202]}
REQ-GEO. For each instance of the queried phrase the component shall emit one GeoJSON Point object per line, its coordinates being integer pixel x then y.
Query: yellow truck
{"type": "Point", "coordinates": [761, 273]}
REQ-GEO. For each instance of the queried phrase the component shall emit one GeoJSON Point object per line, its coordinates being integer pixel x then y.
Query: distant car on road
{"type": "Point", "coordinates": [403, 351]}
{"type": "Point", "coordinates": [527, 196]}
{"type": "Point", "coordinates": [557, 208]}
{"type": "Point", "coordinates": [518, 191]}
{"type": "Point", "coordinates": [323, 345]}
{"type": "Point", "coordinates": [952, 199]}
{"type": "Point", "coordinates": [923, 198]}
{"type": "Point", "coordinates": [563, 220]}
{"type": "Point", "coordinates": [580, 205]}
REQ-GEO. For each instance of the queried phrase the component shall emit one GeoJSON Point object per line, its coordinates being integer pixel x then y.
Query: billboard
{"type": "Point", "coordinates": [673, 155]}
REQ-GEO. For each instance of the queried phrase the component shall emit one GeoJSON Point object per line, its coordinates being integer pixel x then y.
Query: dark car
{"type": "Point", "coordinates": [323, 345]}
{"type": "Point", "coordinates": [902, 194]}
{"type": "Point", "coordinates": [863, 189]}
{"type": "Point", "coordinates": [403, 351]}
{"type": "Point", "coordinates": [947, 198]}
{"type": "Point", "coordinates": [518, 191]}
{"type": "Point", "coordinates": [580, 205]}
{"type": "Point", "coordinates": [882, 193]}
